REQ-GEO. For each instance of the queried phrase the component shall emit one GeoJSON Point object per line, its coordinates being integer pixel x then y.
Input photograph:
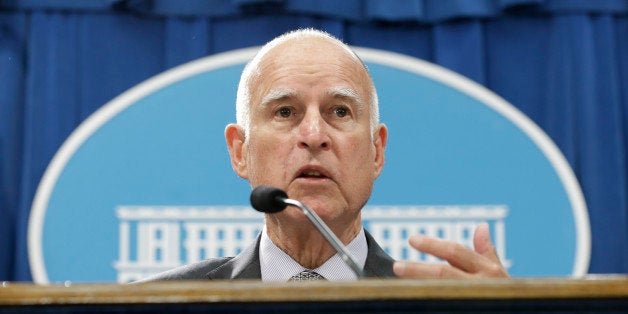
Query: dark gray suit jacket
{"type": "Point", "coordinates": [246, 265]}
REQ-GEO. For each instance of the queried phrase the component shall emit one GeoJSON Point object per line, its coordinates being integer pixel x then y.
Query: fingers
{"type": "Point", "coordinates": [463, 262]}
{"type": "Point", "coordinates": [455, 254]}
{"type": "Point", "coordinates": [483, 244]}
{"type": "Point", "coordinates": [428, 271]}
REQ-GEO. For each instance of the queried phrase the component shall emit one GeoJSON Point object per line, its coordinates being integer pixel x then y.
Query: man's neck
{"type": "Point", "coordinates": [305, 244]}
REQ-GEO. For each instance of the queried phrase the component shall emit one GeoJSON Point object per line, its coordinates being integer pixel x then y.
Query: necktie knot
{"type": "Point", "coordinates": [307, 275]}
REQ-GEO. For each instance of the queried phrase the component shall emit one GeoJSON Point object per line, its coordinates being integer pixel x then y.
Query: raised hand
{"type": "Point", "coordinates": [482, 262]}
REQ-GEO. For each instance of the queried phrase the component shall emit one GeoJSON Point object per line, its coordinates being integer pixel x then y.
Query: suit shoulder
{"type": "Point", "coordinates": [195, 271]}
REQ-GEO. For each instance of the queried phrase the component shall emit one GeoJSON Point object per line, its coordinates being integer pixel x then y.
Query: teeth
{"type": "Point", "coordinates": [312, 173]}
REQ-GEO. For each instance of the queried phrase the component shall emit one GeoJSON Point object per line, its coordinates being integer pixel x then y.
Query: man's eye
{"type": "Point", "coordinates": [284, 112]}
{"type": "Point", "coordinates": [341, 112]}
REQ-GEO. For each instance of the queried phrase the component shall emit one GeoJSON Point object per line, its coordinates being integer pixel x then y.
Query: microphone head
{"type": "Point", "coordinates": [268, 199]}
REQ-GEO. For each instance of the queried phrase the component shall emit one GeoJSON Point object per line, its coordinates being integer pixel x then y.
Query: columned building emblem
{"type": "Point", "coordinates": [157, 238]}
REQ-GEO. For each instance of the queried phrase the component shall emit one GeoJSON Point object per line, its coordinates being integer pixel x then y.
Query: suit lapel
{"type": "Point", "coordinates": [378, 263]}
{"type": "Point", "coordinates": [245, 265]}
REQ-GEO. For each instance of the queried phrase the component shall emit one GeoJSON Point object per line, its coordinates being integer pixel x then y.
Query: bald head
{"type": "Point", "coordinates": [296, 45]}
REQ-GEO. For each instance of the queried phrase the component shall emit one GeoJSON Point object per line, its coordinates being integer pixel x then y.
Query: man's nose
{"type": "Point", "coordinates": [313, 131]}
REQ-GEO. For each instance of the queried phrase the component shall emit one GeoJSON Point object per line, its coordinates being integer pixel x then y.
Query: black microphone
{"type": "Point", "coordinates": [268, 199]}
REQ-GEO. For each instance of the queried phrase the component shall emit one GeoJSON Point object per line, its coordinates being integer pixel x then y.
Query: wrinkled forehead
{"type": "Point", "coordinates": [312, 47]}
{"type": "Point", "coordinates": [311, 52]}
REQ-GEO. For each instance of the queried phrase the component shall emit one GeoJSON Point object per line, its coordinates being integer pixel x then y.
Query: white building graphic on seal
{"type": "Point", "coordinates": [157, 238]}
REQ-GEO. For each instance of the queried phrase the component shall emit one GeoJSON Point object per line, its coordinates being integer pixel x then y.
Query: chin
{"type": "Point", "coordinates": [328, 211]}
{"type": "Point", "coordinates": [318, 203]}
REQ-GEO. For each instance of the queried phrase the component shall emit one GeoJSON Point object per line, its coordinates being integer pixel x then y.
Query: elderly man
{"type": "Point", "coordinates": [308, 123]}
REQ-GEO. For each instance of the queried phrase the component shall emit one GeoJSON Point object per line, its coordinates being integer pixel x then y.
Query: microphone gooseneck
{"type": "Point", "coordinates": [268, 199]}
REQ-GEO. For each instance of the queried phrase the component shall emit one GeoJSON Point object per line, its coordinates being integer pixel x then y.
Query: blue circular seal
{"type": "Point", "coordinates": [145, 183]}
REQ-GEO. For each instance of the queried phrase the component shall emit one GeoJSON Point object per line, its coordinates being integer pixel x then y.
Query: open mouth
{"type": "Point", "coordinates": [312, 174]}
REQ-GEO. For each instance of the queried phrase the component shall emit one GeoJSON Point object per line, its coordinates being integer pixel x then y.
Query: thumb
{"type": "Point", "coordinates": [482, 243]}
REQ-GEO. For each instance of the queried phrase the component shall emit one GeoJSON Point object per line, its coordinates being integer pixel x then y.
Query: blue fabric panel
{"type": "Point", "coordinates": [511, 3]}
{"type": "Point", "coordinates": [76, 54]}
{"type": "Point", "coordinates": [412, 40]}
{"type": "Point", "coordinates": [60, 4]}
{"type": "Point", "coordinates": [569, 109]}
{"type": "Point", "coordinates": [426, 11]}
{"type": "Point", "coordinates": [518, 49]}
{"type": "Point", "coordinates": [561, 92]}
{"type": "Point", "coordinates": [581, 95]}
{"type": "Point", "coordinates": [467, 36]}
{"type": "Point", "coordinates": [110, 45]}
{"type": "Point", "coordinates": [50, 113]}
{"type": "Point", "coordinates": [185, 8]}
{"type": "Point", "coordinates": [334, 27]}
{"type": "Point", "coordinates": [255, 1]}
{"type": "Point", "coordinates": [349, 9]}
{"type": "Point", "coordinates": [395, 10]}
{"type": "Point", "coordinates": [588, 6]}
{"type": "Point", "coordinates": [444, 9]}
{"type": "Point", "coordinates": [186, 39]}
{"type": "Point", "coordinates": [258, 30]}
{"type": "Point", "coordinates": [603, 156]}
{"type": "Point", "coordinates": [12, 73]}
{"type": "Point", "coordinates": [622, 50]}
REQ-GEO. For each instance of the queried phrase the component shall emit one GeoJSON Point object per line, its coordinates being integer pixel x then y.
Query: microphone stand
{"type": "Point", "coordinates": [327, 234]}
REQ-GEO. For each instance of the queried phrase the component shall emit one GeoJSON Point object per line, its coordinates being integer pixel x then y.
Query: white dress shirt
{"type": "Point", "coordinates": [276, 265]}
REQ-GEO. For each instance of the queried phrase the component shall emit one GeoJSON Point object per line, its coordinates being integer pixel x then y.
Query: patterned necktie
{"type": "Point", "coordinates": [307, 275]}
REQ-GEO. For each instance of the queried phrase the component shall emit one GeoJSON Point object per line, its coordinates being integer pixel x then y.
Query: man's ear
{"type": "Point", "coordinates": [234, 134]}
{"type": "Point", "coordinates": [379, 140]}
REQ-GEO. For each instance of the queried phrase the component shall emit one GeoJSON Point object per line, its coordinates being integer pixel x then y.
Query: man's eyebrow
{"type": "Point", "coordinates": [277, 94]}
{"type": "Point", "coordinates": [346, 93]}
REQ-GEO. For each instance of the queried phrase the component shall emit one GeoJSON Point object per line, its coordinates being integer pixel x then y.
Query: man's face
{"type": "Point", "coordinates": [310, 132]}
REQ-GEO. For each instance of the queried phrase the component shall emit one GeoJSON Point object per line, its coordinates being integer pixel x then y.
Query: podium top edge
{"type": "Point", "coordinates": [172, 292]}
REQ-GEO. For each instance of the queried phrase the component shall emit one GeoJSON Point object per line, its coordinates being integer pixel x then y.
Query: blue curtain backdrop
{"type": "Point", "coordinates": [563, 63]}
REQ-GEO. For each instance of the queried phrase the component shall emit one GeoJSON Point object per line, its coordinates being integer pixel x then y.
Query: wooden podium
{"type": "Point", "coordinates": [604, 294]}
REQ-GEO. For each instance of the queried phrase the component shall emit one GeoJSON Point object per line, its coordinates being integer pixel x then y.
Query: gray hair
{"type": "Point", "coordinates": [251, 70]}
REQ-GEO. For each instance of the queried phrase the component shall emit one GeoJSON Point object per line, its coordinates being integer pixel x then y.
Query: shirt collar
{"type": "Point", "coordinates": [276, 265]}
